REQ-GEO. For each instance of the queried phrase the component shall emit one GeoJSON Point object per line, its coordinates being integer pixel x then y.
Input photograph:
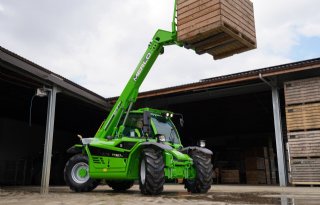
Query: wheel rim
{"type": "Point", "coordinates": [80, 173]}
{"type": "Point", "coordinates": [143, 171]}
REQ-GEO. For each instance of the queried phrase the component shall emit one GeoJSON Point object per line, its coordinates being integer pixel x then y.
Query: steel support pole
{"type": "Point", "coordinates": [52, 93]}
{"type": "Point", "coordinates": [279, 137]}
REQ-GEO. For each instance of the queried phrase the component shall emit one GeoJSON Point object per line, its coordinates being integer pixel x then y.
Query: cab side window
{"type": "Point", "coordinates": [133, 126]}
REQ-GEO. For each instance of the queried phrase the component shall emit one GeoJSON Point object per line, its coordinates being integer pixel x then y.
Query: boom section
{"type": "Point", "coordinates": [130, 93]}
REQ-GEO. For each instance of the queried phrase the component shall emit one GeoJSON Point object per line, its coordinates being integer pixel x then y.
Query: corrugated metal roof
{"type": "Point", "coordinates": [264, 70]}
{"type": "Point", "coordinates": [51, 78]}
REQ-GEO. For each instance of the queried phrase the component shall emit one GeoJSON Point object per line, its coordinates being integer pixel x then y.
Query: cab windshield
{"type": "Point", "coordinates": [165, 127]}
{"type": "Point", "coordinates": [134, 124]}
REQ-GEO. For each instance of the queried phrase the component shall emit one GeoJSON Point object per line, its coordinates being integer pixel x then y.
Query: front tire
{"type": "Point", "coordinates": [76, 174]}
{"type": "Point", "coordinates": [202, 182]}
{"type": "Point", "coordinates": [120, 185]}
{"type": "Point", "coordinates": [152, 178]}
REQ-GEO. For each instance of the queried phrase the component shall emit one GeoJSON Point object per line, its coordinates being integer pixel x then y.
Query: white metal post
{"type": "Point", "coordinates": [279, 137]}
{"type": "Point", "coordinates": [52, 93]}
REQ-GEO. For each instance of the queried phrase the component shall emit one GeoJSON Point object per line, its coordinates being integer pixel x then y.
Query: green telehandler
{"type": "Point", "coordinates": [139, 145]}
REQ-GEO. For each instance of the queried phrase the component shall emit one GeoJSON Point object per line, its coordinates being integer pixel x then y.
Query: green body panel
{"type": "Point", "coordinates": [119, 157]}
{"type": "Point", "coordinates": [123, 163]}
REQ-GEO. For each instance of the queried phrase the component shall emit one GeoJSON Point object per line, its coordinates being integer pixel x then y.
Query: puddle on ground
{"type": "Point", "coordinates": [14, 196]}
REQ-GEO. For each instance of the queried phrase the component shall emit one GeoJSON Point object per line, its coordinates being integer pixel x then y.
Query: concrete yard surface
{"type": "Point", "coordinates": [172, 195]}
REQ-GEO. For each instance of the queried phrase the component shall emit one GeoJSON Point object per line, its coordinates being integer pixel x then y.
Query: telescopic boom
{"type": "Point", "coordinates": [130, 93]}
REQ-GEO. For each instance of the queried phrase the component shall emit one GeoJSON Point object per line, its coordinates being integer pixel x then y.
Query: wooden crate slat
{"type": "Point", "coordinates": [201, 21]}
{"type": "Point", "coordinates": [198, 11]}
{"type": "Point", "coordinates": [312, 138]}
{"type": "Point", "coordinates": [302, 91]}
{"type": "Point", "coordinates": [202, 33]}
{"type": "Point", "coordinates": [185, 3]}
{"type": "Point", "coordinates": [238, 30]}
{"type": "Point", "coordinates": [239, 24]}
{"type": "Point", "coordinates": [303, 154]}
{"type": "Point", "coordinates": [303, 126]}
{"type": "Point", "coordinates": [306, 89]}
{"type": "Point", "coordinates": [305, 183]}
{"type": "Point", "coordinates": [313, 142]}
{"type": "Point", "coordinates": [237, 13]}
{"type": "Point", "coordinates": [311, 121]}
{"type": "Point", "coordinates": [305, 161]}
{"type": "Point", "coordinates": [307, 147]}
{"type": "Point", "coordinates": [242, 5]}
{"type": "Point", "coordinates": [303, 135]}
{"type": "Point", "coordinates": [302, 169]}
{"type": "Point", "coordinates": [200, 26]}
{"type": "Point", "coordinates": [301, 83]}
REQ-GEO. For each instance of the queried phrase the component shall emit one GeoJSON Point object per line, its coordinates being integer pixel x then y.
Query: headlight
{"type": "Point", "coordinates": [86, 141]}
{"type": "Point", "coordinates": [161, 138]}
{"type": "Point", "coordinates": [202, 143]}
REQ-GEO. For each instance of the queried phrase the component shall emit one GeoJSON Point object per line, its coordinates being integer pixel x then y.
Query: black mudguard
{"type": "Point", "coordinates": [74, 150]}
{"type": "Point", "coordinates": [186, 150]}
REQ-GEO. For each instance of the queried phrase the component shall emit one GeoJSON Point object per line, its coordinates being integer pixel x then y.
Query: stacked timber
{"type": "Point", "coordinates": [221, 28]}
{"type": "Point", "coordinates": [303, 124]}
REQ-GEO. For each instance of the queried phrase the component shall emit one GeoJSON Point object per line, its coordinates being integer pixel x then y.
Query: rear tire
{"type": "Point", "coordinates": [202, 182]}
{"type": "Point", "coordinates": [76, 174]}
{"type": "Point", "coordinates": [151, 178]}
{"type": "Point", "coordinates": [121, 185]}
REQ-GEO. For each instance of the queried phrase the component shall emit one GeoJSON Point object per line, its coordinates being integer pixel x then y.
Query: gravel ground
{"type": "Point", "coordinates": [172, 195]}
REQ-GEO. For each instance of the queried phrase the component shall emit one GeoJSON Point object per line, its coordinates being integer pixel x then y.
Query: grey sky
{"type": "Point", "coordinates": [97, 43]}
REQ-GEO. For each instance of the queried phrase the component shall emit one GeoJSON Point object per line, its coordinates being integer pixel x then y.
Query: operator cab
{"type": "Point", "coordinates": [160, 125]}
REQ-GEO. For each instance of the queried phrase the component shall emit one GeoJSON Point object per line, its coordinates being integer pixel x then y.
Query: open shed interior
{"type": "Point", "coordinates": [22, 130]}
{"type": "Point", "coordinates": [238, 128]}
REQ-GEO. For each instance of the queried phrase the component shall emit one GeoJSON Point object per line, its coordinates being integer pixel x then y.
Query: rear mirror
{"type": "Point", "coordinates": [146, 123]}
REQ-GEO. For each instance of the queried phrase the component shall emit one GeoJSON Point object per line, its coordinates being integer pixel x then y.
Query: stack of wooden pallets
{"type": "Point", "coordinates": [221, 28]}
{"type": "Point", "coordinates": [303, 125]}
{"type": "Point", "coordinates": [260, 165]}
{"type": "Point", "coordinates": [255, 170]}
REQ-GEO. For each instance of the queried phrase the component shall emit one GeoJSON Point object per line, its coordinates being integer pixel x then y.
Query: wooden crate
{"type": "Point", "coordinates": [302, 91]}
{"type": "Point", "coordinates": [255, 163]}
{"type": "Point", "coordinates": [304, 144]}
{"type": "Point", "coordinates": [219, 27]}
{"type": "Point", "coordinates": [230, 176]}
{"type": "Point", "coordinates": [303, 117]}
{"type": "Point", "coordinates": [256, 177]}
{"type": "Point", "coordinates": [305, 171]}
